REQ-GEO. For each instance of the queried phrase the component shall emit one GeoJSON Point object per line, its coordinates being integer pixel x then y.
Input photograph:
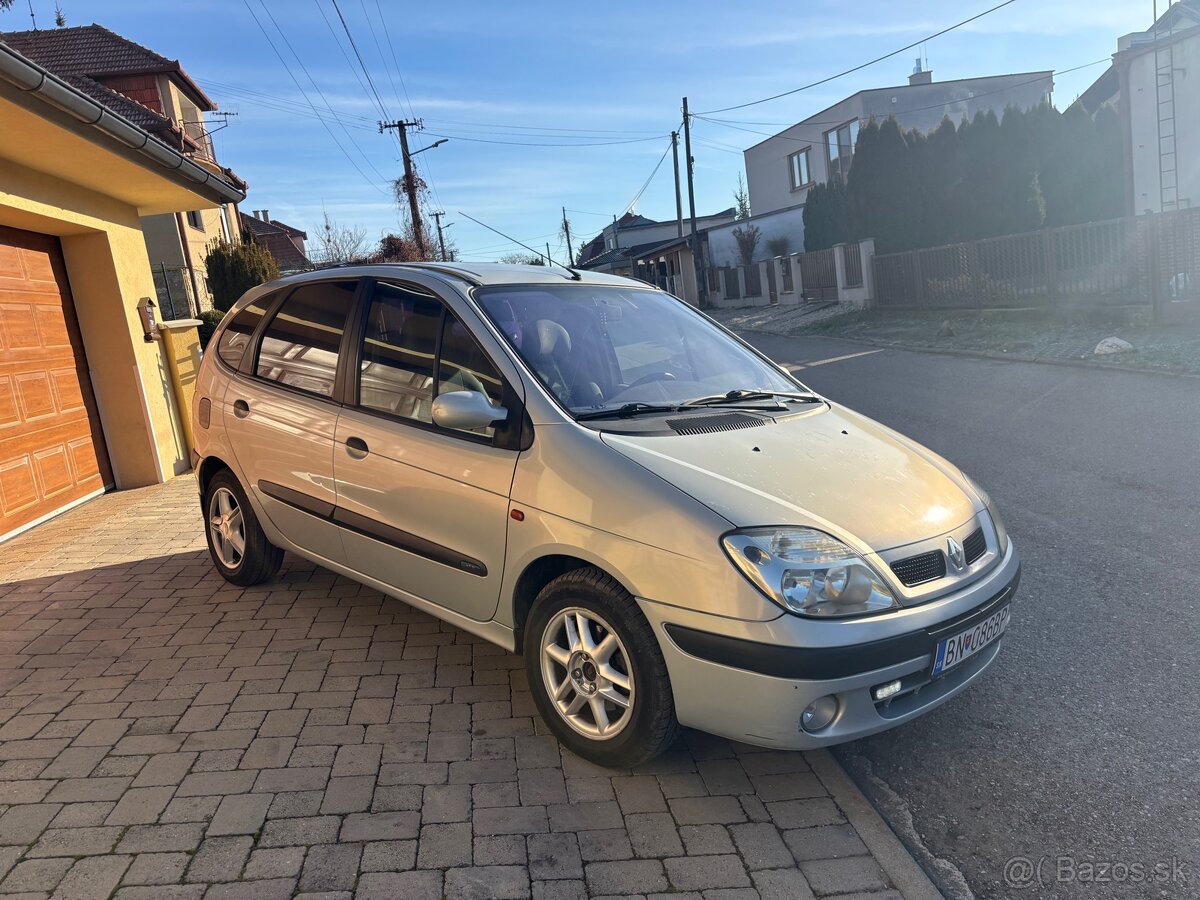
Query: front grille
{"type": "Point", "coordinates": [921, 568]}
{"type": "Point", "coordinates": [974, 546]}
{"type": "Point", "coordinates": [712, 424]}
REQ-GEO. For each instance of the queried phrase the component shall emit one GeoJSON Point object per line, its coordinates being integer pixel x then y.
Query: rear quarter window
{"type": "Point", "coordinates": [231, 347]}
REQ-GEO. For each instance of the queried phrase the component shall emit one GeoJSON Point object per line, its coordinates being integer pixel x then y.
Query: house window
{"type": "Point", "coordinates": [839, 144]}
{"type": "Point", "coordinates": [798, 169]}
{"type": "Point", "coordinates": [194, 219]}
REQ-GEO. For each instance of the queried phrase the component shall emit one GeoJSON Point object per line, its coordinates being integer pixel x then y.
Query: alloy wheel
{"type": "Point", "coordinates": [227, 527]}
{"type": "Point", "coordinates": [587, 674]}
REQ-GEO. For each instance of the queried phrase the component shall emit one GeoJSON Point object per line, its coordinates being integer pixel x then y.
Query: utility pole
{"type": "Point", "coordinates": [567, 232]}
{"type": "Point", "coordinates": [701, 294]}
{"type": "Point", "coordinates": [410, 183]}
{"type": "Point", "coordinates": [678, 196]}
{"type": "Point", "coordinates": [437, 217]}
{"type": "Point", "coordinates": [549, 259]}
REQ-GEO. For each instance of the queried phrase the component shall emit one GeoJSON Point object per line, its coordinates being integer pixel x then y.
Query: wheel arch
{"type": "Point", "coordinates": [209, 467]}
{"type": "Point", "coordinates": [539, 573]}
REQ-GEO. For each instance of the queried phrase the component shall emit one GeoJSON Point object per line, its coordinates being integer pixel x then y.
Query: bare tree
{"type": "Point", "coordinates": [522, 259]}
{"type": "Point", "coordinates": [747, 242]}
{"type": "Point", "coordinates": [339, 243]}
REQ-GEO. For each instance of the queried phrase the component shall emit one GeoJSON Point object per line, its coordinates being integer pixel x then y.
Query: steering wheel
{"type": "Point", "coordinates": [653, 376]}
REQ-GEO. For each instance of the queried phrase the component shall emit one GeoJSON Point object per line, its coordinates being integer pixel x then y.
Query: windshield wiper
{"type": "Point", "coordinates": [743, 395]}
{"type": "Point", "coordinates": [625, 411]}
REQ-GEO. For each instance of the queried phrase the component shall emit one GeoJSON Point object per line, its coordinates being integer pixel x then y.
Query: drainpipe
{"type": "Point", "coordinates": [187, 258]}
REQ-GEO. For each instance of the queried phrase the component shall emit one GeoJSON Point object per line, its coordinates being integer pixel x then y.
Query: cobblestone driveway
{"type": "Point", "coordinates": [164, 734]}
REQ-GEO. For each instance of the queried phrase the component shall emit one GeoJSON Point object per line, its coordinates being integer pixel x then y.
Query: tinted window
{"type": "Point", "coordinates": [463, 366]}
{"type": "Point", "coordinates": [300, 346]}
{"type": "Point", "coordinates": [236, 336]}
{"type": "Point", "coordinates": [399, 347]}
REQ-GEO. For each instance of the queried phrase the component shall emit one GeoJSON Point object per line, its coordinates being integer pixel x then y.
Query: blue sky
{"type": "Point", "coordinates": [555, 74]}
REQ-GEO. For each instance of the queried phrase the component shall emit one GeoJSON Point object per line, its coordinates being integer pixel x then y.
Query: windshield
{"type": "Point", "coordinates": [597, 347]}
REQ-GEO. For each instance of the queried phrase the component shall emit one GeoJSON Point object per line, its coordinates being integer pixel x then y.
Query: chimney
{"type": "Point", "coordinates": [920, 75]}
{"type": "Point", "coordinates": [266, 215]}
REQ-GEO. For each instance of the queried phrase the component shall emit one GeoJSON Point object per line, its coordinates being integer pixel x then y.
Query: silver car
{"type": "Point", "coordinates": [671, 529]}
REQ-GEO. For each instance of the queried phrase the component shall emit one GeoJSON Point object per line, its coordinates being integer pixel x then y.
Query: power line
{"type": "Point", "coordinates": [727, 123]}
{"type": "Point", "coordinates": [649, 178]}
{"type": "Point", "coordinates": [382, 108]}
{"type": "Point", "coordinates": [304, 94]}
{"type": "Point", "coordinates": [857, 68]}
{"type": "Point", "coordinates": [459, 137]}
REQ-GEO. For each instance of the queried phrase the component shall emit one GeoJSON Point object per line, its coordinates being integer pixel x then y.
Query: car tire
{"type": "Point", "coordinates": [256, 559]}
{"type": "Point", "coordinates": [628, 668]}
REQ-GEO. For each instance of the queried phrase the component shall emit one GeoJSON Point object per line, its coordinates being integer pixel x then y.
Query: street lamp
{"type": "Point", "coordinates": [430, 147]}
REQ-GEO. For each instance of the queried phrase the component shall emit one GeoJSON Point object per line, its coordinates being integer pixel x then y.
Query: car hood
{"type": "Point", "coordinates": [828, 468]}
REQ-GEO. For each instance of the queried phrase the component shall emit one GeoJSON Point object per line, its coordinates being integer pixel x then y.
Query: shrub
{"type": "Point", "coordinates": [209, 320]}
{"type": "Point", "coordinates": [235, 268]}
{"type": "Point", "coordinates": [780, 246]}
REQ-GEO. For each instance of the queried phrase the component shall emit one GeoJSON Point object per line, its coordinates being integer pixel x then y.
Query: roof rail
{"type": "Point", "coordinates": [447, 270]}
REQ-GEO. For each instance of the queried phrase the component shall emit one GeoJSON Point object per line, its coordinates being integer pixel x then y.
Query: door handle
{"type": "Point", "coordinates": [241, 408]}
{"type": "Point", "coordinates": [357, 447]}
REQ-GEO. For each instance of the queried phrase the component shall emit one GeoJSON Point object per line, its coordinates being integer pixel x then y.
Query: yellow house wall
{"type": "Point", "coordinates": [105, 255]}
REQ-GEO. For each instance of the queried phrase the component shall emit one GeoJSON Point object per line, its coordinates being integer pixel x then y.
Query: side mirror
{"type": "Point", "coordinates": [466, 410]}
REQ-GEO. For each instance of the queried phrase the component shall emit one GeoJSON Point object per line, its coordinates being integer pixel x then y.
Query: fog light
{"type": "Point", "coordinates": [818, 714]}
{"type": "Point", "coordinates": [887, 690]}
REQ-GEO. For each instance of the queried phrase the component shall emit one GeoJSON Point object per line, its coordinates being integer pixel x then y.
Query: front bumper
{"type": "Point", "coordinates": [754, 690]}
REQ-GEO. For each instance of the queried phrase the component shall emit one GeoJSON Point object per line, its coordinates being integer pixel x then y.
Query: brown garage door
{"type": "Point", "coordinates": [51, 449]}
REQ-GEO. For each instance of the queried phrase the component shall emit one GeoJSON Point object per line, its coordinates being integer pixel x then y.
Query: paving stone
{"type": "Point", "coordinates": [782, 884]}
{"type": "Point", "coordinates": [383, 826]}
{"type": "Point", "coordinates": [94, 876]}
{"type": "Point", "coordinates": [271, 889]}
{"type": "Point", "coordinates": [330, 867]}
{"type": "Point", "coordinates": [418, 885]}
{"type": "Point", "coordinates": [761, 846]}
{"type": "Point", "coordinates": [208, 783]}
{"type": "Point", "coordinates": [162, 892]}
{"type": "Point", "coordinates": [156, 868]}
{"type": "Point", "coordinates": [787, 787]}
{"type": "Point", "coordinates": [707, 810]}
{"type": "Point", "coordinates": [306, 830]}
{"type": "Point", "coordinates": [639, 794]}
{"type": "Point", "coordinates": [35, 875]}
{"type": "Point", "coordinates": [561, 890]}
{"type": "Point", "coordinates": [699, 872]}
{"type": "Point", "coordinates": [268, 753]}
{"type": "Point", "coordinates": [389, 856]}
{"type": "Point", "coordinates": [824, 842]}
{"type": "Point", "coordinates": [805, 813]}
{"type": "Point", "coordinates": [843, 876]}
{"type": "Point", "coordinates": [510, 820]}
{"type": "Point", "coordinates": [166, 769]}
{"type": "Point", "coordinates": [300, 778]}
{"type": "Point", "coordinates": [724, 776]}
{"type": "Point", "coordinates": [74, 842]}
{"type": "Point", "coordinates": [446, 803]}
{"type": "Point", "coordinates": [77, 790]}
{"type": "Point", "coordinates": [500, 850]}
{"type": "Point", "coordinates": [653, 835]}
{"type": "Point", "coordinates": [22, 824]}
{"type": "Point", "coordinates": [280, 862]}
{"type": "Point", "coordinates": [554, 856]}
{"type": "Point", "coordinates": [293, 804]}
{"type": "Point", "coordinates": [487, 883]}
{"type": "Point", "coordinates": [140, 806]}
{"type": "Point", "coordinates": [604, 845]}
{"type": "Point", "coordinates": [240, 814]}
{"type": "Point", "coordinates": [584, 816]}
{"type": "Point", "coordinates": [628, 877]}
{"type": "Point", "coordinates": [189, 809]}
{"type": "Point", "coordinates": [219, 859]}
{"type": "Point", "coordinates": [347, 795]}
{"type": "Point", "coordinates": [361, 759]}
{"type": "Point", "coordinates": [442, 846]}
{"type": "Point", "coordinates": [152, 838]}
{"type": "Point", "coordinates": [705, 839]}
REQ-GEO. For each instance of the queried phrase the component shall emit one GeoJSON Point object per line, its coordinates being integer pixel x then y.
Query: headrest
{"type": "Point", "coordinates": [550, 337]}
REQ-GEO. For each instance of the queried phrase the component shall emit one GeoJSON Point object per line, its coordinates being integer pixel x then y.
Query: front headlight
{"type": "Point", "coordinates": [808, 572]}
{"type": "Point", "coordinates": [1001, 531]}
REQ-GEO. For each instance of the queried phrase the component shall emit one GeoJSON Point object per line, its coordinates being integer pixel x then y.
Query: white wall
{"type": "Point", "coordinates": [1143, 109]}
{"type": "Point", "coordinates": [722, 246]}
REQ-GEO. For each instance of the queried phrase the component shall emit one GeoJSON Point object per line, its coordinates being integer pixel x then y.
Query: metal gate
{"type": "Point", "coordinates": [818, 274]}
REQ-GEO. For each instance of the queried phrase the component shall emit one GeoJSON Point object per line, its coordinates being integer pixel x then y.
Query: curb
{"type": "Point", "coordinates": [978, 354]}
{"type": "Point", "coordinates": [901, 868]}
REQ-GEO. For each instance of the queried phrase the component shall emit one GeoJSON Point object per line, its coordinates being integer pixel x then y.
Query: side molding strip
{"type": "Point", "coordinates": [402, 540]}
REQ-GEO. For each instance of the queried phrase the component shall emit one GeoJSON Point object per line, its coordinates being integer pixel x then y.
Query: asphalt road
{"type": "Point", "coordinates": [1082, 742]}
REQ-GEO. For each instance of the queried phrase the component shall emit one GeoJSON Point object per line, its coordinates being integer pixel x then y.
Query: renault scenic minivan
{"type": "Point", "coordinates": [671, 529]}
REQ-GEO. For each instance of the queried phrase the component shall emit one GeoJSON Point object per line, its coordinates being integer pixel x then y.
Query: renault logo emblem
{"type": "Point", "coordinates": [954, 553]}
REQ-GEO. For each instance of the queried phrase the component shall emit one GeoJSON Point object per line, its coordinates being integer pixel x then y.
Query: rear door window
{"type": "Point", "coordinates": [399, 352]}
{"type": "Point", "coordinates": [300, 345]}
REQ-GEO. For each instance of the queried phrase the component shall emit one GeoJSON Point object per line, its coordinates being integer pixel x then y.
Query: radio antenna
{"type": "Point", "coordinates": [575, 275]}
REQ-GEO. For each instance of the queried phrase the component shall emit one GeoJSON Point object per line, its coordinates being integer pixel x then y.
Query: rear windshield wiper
{"type": "Point", "coordinates": [626, 411]}
{"type": "Point", "coordinates": [743, 396]}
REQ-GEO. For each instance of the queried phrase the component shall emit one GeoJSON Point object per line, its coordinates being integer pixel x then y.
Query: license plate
{"type": "Point", "coordinates": [962, 646]}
